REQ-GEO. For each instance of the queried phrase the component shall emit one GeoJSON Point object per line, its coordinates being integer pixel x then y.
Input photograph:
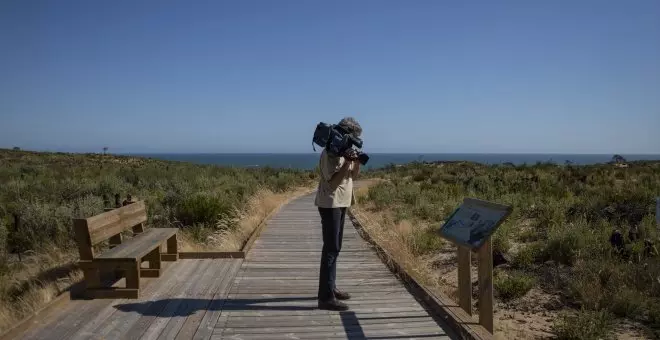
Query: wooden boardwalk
{"type": "Point", "coordinates": [269, 295]}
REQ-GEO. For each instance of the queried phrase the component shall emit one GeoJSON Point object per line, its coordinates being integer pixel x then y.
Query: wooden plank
{"type": "Point", "coordinates": [113, 293]}
{"type": "Point", "coordinates": [100, 315]}
{"type": "Point", "coordinates": [212, 255]}
{"type": "Point", "coordinates": [154, 259]}
{"type": "Point", "coordinates": [247, 324]}
{"type": "Point", "coordinates": [313, 310]}
{"type": "Point", "coordinates": [486, 285]}
{"type": "Point", "coordinates": [401, 333]}
{"type": "Point", "coordinates": [172, 246]}
{"type": "Point", "coordinates": [160, 323]}
{"type": "Point", "coordinates": [83, 240]}
{"type": "Point", "coordinates": [33, 323]}
{"type": "Point", "coordinates": [140, 245]}
{"type": "Point", "coordinates": [256, 329]}
{"type": "Point", "coordinates": [148, 272]}
{"type": "Point", "coordinates": [63, 327]}
{"type": "Point", "coordinates": [169, 257]}
{"type": "Point", "coordinates": [222, 274]}
{"type": "Point", "coordinates": [104, 225]}
{"type": "Point", "coordinates": [464, 279]}
{"type": "Point", "coordinates": [132, 326]}
{"type": "Point", "coordinates": [195, 299]}
{"type": "Point", "coordinates": [131, 312]}
{"type": "Point", "coordinates": [208, 322]}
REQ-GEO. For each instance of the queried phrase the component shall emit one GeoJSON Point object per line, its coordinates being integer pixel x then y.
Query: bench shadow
{"type": "Point", "coordinates": [186, 306]}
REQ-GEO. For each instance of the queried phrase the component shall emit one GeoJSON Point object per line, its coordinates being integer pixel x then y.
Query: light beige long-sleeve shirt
{"type": "Point", "coordinates": [343, 195]}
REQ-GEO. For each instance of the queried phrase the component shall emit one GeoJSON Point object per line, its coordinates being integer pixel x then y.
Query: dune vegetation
{"type": "Point", "coordinates": [579, 252]}
{"type": "Point", "coordinates": [215, 207]}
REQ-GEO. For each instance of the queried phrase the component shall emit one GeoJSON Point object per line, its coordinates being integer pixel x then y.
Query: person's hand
{"type": "Point", "coordinates": [351, 154]}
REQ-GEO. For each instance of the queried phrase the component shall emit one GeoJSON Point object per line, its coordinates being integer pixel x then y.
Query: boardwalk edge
{"type": "Point", "coordinates": [440, 306]}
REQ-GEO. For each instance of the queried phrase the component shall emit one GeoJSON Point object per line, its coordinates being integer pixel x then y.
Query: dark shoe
{"type": "Point", "coordinates": [341, 295]}
{"type": "Point", "coordinates": [333, 305]}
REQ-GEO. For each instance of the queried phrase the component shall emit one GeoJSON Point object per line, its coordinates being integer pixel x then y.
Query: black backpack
{"type": "Point", "coordinates": [322, 135]}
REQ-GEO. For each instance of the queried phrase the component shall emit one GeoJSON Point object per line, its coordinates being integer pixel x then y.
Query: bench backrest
{"type": "Point", "coordinates": [108, 225]}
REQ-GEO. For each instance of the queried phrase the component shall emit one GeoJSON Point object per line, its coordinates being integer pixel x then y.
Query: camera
{"type": "Point", "coordinates": [339, 142]}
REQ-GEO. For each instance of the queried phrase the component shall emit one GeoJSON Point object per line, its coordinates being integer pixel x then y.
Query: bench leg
{"type": "Point", "coordinates": [130, 270]}
{"type": "Point", "coordinates": [133, 276]}
{"type": "Point", "coordinates": [172, 250]}
{"type": "Point", "coordinates": [92, 277]}
{"type": "Point", "coordinates": [153, 259]}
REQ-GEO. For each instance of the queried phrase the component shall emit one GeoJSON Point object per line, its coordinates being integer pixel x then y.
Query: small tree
{"type": "Point", "coordinates": [618, 159]}
{"type": "Point", "coordinates": [105, 150]}
{"type": "Point", "coordinates": [16, 148]}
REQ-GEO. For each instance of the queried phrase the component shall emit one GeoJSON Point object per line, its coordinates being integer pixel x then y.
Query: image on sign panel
{"type": "Point", "coordinates": [472, 225]}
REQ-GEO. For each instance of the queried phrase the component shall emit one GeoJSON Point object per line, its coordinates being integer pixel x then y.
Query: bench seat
{"type": "Point", "coordinates": [139, 246]}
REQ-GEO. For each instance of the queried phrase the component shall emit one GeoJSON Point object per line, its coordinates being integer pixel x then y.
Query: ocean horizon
{"type": "Point", "coordinates": [309, 161]}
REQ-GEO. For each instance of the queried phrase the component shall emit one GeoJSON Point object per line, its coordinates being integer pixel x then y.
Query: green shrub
{"type": "Point", "coordinates": [528, 255]}
{"type": "Point", "coordinates": [501, 239]}
{"type": "Point", "coordinates": [4, 235]}
{"type": "Point", "coordinates": [585, 325]}
{"type": "Point", "coordinates": [626, 302]}
{"type": "Point", "coordinates": [202, 209]}
{"type": "Point", "coordinates": [653, 307]}
{"type": "Point", "coordinates": [513, 285]}
{"type": "Point", "coordinates": [424, 241]}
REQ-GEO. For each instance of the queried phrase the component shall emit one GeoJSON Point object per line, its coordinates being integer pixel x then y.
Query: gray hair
{"type": "Point", "coordinates": [351, 126]}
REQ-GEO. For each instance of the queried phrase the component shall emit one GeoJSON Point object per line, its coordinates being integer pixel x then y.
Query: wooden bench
{"type": "Point", "coordinates": [124, 256]}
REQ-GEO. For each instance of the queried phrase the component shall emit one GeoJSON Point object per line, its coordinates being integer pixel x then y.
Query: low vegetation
{"type": "Point", "coordinates": [42, 192]}
{"type": "Point", "coordinates": [585, 325]}
{"type": "Point", "coordinates": [585, 235]}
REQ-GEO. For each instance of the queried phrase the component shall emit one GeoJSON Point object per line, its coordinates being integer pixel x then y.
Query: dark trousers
{"type": "Point", "coordinates": [332, 223]}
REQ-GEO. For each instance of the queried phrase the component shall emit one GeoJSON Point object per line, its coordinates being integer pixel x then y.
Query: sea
{"type": "Point", "coordinates": [308, 161]}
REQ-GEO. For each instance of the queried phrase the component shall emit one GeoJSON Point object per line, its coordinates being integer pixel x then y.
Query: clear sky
{"type": "Point", "coordinates": [560, 76]}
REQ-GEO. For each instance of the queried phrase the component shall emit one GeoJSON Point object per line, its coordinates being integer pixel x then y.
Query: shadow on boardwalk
{"type": "Point", "coordinates": [190, 306]}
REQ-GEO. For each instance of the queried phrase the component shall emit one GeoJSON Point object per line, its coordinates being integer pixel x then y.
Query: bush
{"type": "Point", "coordinates": [528, 256]}
{"type": "Point", "coordinates": [513, 285]}
{"type": "Point", "coordinates": [424, 241]}
{"type": "Point", "coordinates": [4, 235]}
{"type": "Point", "coordinates": [203, 209]}
{"type": "Point", "coordinates": [627, 303]}
{"type": "Point", "coordinates": [585, 325]}
{"type": "Point", "coordinates": [47, 190]}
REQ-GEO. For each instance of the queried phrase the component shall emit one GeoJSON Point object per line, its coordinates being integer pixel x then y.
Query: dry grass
{"type": "Point", "coordinates": [393, 238]}
{"type": "Point", "coordinates": [259, 207]}
{"type": "Point", "coordinates": [37, 280]}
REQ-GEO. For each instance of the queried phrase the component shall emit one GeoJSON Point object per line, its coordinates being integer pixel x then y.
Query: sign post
{"type": "Point", "coordinates": [470, 227]}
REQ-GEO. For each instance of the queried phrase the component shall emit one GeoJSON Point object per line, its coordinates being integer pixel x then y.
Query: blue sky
{"type": "Point", "coordinates": [256, 76]}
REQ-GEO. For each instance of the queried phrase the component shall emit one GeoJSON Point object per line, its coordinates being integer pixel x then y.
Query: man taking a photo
{"type": "Point", "coordinates": [333, 197]}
